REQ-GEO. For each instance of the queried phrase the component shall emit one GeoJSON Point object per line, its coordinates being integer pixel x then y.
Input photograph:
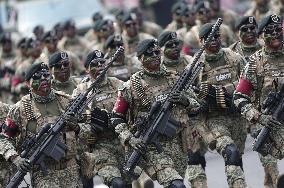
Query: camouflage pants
{"type": "Point", "coordinates": [106, 161]}
{"type": "Point", "coordinates": [195, 174]}
{"type": "Point", "coordinates": [229, 129]}
{"type": "Point", "coordinates": [68, 177]}
{"type": "Point", "coordinates": [166, 166]}
{"type": "Point", "coordinates": [7, 170]}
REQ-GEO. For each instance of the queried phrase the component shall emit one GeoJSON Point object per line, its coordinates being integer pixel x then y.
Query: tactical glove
{"type": "Point", "coordinates": [72, 122]}
{"type": "Point", "coordinates": [99, 119]}
{"type": "Point", "coordinates": [267, 120]}
{"type": "Point", "coordinates": [137, 144]}
{"type": "Point", "coordinates": [22, 163]}
{"type": "Point", "coordinates": [180, 98]}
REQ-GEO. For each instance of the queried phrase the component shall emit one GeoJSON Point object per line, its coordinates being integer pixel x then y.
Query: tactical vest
{"type": "Point", "coordinates": [270, 73]}
{"type": "Point", "coordinates": [33, 120]}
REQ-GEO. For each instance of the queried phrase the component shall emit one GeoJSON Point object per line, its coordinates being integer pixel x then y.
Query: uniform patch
{"type": "Point", "coordinates": [277, 73]}
{"type": "Point", "coordinates": [63, 55]}
{"type": "Point", "coordinates": [275, 18]}
{"type": "Point", "coordinates": [120, 71]}
{"type": "Point", "coordinates": [103, 97]}
{"type": "Point", "coordinates": [161, 97]}
{"type": "Point", "coordinates": [225, 76]}
{"type": "Point", "coordinates": [251, 19]}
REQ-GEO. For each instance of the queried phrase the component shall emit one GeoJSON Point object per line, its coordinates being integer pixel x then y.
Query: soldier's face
{"type": "Point", "coordinates": [203, 15]}
{"type": "Point", "coordinates": [248, 34]}
{"type": "Point", "coordinates": [51, 44]}
{"type": "Point", "coordinates": [106, 31]}
{"type": "Point", "coordinates": [215, 44]}
{"type": "Point", "coordinates": [96, 67]}
{"type": "Point", "coordinates": [273, 36]}
{"type": "Point", "coordinates": [151, 59]}
{"type": "Point", "coordinates": [131, 28]}
{"type": "Point", "coordinates": [40, 83]}
{"type": "Point", "coordinates": [177, 16]}
{"type": "Point", "coordinates": [35, 51]}
{"type": "Point", "coordinates": [7, 46]}
{"type": "Point", "coordinates": [189, 18]}
{"type": "Point", "coordinates": [173, 49]}
{"type": "Point", "coordinates": [62, 70]}
{"type": "Point", "coordinates": [70, 31]}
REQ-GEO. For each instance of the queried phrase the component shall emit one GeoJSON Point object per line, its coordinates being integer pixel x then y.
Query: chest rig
{"type": "Point", "coordinates": [270, 73]}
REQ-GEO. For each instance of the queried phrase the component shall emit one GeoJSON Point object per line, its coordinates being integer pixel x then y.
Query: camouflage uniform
{"type": "Point", "coordinates": [7, 169]}
{"type": "Point", "coordinates": [170, 164]}
{"type": "Point", "coordinates": [29, 115]}
{"type": "Point", "coordinates": [257, 12]}
{"type": "Point", "coordinates": [107, 157]}
{"type": "Point", "coordinates": [221, 71]}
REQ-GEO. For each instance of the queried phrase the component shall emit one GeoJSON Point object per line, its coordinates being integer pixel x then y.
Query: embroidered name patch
{"type": "Point", "coordinates": [225, 76]}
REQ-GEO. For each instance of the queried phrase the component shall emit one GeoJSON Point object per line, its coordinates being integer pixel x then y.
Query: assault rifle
{"type": "Point", "coordinates": [274, 105]}
{"type": "Point", "coordinates": [159, 122]}
{"type": "Point", "coordinates": [51, 145]}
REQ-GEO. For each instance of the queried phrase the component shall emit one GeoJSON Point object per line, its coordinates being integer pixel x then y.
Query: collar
{"type": "Point", "coordinates": [43, 99]}
{"type": "Point", "coordinates": [214, 57]}
{"type": "Point", "coordinates": [61, 84]}
{"type": "Point", "coordinates": [251, 48]}
{"type": "Point", "coordinates": [170, 62]}
{"type": "Point", "coordinates": [155, 74]}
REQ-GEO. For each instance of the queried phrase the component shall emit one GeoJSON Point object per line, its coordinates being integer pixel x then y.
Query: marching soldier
{"type": "Point", "coordinates": [259, 9]}
{"type": "Point", "coordinates": [263, 74]}
{"type": "Point", "coordinates": [90, 36]}
{"type": "Point", "coordinates": [188, 19]}
{"type": "Point", "coordinates": [177, 22]}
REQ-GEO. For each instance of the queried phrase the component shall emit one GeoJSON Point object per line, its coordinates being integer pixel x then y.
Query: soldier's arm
{"type": "Point", "coordinates": [244, 91]}
{"type": "Point", "coordinates": [120, 111]}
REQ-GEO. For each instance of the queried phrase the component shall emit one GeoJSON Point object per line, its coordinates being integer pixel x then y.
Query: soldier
{"type": "Point", "coordinates": [106, 156]}
{"type": "Point", "coordinates": [60, 67]}
{"type": "Point", "coordinates": [176, 62]}
{"type": "Point", "coordinates": [103, 29]}
{"type": "Point", "coordinates": [130, 35]}
{"type": "Point", "coordinates": [124, 66]}
{"type": "Point", "coordinates": [259, 9]}
{"type": "Point", "coordinates": [218, 77]}
{"type": "Point", "coordinates": [71, 41]}
{"type": "Point", "coordinates": [38, 32]}
{"type": "Point", "coordinates": [33, 52]}
{"type": "Point", "coordinates": [7, 55]}
{"type": "Point", "coordinates": [118, 13]}
{"type": "Point", "coordinates": [263, 74]}
{"type": "Point", "coordinates": [176, 16]}
{"type": "Point", "coordinates": [50, 46]}
{"type": "Point", "coordinates": [191, 39]}
{"type": "Point", "coordinates": [43, 105]}
{"type": "Point", "coordinates": [90, 36]}
{"type": "Point", "coordinates": [6, 169]}
{"type": "Point", "coordinates": [146, 26]}
{"type": "Point", "coordinates": [188, 19]}
{"type": "Point", "coordinates": [153, 83]}
{"type": "Point", "coordinates": [229, 17]}
{"type": "Point", "coordinates": [58, 29]}
{"type": "Point", "coordinates": [247, 46]}
{"type": "Point", "coordinates": [248, 40]}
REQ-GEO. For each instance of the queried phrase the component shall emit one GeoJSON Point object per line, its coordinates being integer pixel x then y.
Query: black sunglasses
{"type": "Point", "coordinates": [39, 74]}
{"type": "Point", "coordinates": [172, 44]}
{"type": "Point", "coordinates": [59, 65]}
{"type": "Point", "coordinates": [246, 28]}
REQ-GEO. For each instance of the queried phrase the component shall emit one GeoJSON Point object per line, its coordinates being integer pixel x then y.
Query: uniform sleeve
{"type": "Point", "coordinates": [244, 91]}
{"type": "Point", "coordinates": [120, 111]}
{"type": "Point", "coordinates": [7, 148]}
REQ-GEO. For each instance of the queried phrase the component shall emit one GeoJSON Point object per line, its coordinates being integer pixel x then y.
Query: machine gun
{"type": "Point", "coordinates": [51, 145]}
{"type": "Point", "coordinates": [274, 105]}
{"type": "Point", "coordinates": [160, 122]}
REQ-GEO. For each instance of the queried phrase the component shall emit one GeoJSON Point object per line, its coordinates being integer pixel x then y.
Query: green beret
{"type": "Point", "coordinates": [96, 54]}
{"type": "Point", "coordinates": [34, 68]}
{"type": "Point", "coordinates": [113, 40]}
{"type": "Point", "coordinates": [245, 20]}
{"type": "Point", "coordinates": [57, 57]}
{"type": "Point", "coordinates": [205, 30]}
{"type": "Point", "coordinates": [166, 36]}
{"type": "Point", "coordinates": [129, 17]}
{"type": "Point", "coordinates": [268, 20]}
{"type": "Point", "coordinates": [144, 45]}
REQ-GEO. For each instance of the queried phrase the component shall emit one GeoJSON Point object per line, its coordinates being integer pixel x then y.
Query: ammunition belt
{"type": "Point", "coordinates": [137, 85]}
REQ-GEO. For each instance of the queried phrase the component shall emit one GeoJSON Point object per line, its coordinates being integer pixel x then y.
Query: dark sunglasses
{"type": "Point", "coordinates": [271, 29]}
{"type": "Point", "coordinates": [172, 44]}
{"type": "Point", "coordinates": [59, 65]}
{"type": "Point", "coordinates": [152, 52]}
{"type": "Point", "coordinates": [50, 40]}
{"type": "Point", "coordinates": [203, 12]}
{"type": "Point", "coordinates": [246, 28]}
{"type": "Point", "coordinates": [39, 74]}
{"type": "Point", "coordinates": [96, 63]}
{"type": "Point", "coordinates": [216, 36]}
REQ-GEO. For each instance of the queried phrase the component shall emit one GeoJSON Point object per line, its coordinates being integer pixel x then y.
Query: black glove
{"type": "Point", "coordinates": [137, 144]}
{"type": "Point", "coordinates": [22, 163]}
{"type": "Point", "coordinates": [99, 119]}
{"type": "Point", "coordinates": [180, 98]}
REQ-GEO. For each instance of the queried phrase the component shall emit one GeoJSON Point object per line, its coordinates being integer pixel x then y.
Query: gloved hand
{"type": "Point", "coordinates": [72, 122]}
{"type": "Point", "coordinates": [180, 98]}
{"type": "Point", "coordinates": [267, 120]}
{"type": "Point", "coordinates": [137, 144]}
{"type": "Point", "coordinates": [22, 163]}
{"type": "Point", "coordinates": [99, 119]}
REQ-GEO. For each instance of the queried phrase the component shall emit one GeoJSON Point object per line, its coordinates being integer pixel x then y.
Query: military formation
{"type": "Point", "coordinates": [235, 90]}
